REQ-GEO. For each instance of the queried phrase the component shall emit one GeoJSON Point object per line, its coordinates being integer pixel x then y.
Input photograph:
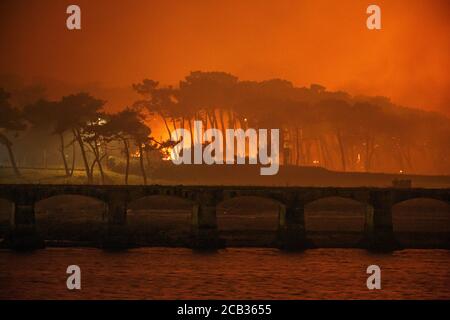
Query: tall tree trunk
{"type": "Point", "coordinates": [341, 149]}
{"type": "Point", "coordinates": [205, 121]}
{"type": "Point", "coordinates": [73, 159]}
{"type": "Point", "coordinates": [297, 147]}
{"type": "Point", "coordinates": [167, 125]}
{"type": "Point", "coordinates": [324, 151]}
{"type": "Point", "coordinates": [351, 163]}
{"type": "Point", "coordinates": [369, 153]}
{"type": "Point", "coordinates": [141, 162]}
{"type": "Point", "coordinates": [407, 154]}
{"type": "Point", "coordinates": [192, 135]}
{"type": "Point", "coordinates": [63, 153]}
{"type": "Point", "coordinates": [84, 156]}
{"type": "Point", "coordinates": [197, 132]}
{"type": "Point", "coordinates": [147, 158]}
{"type": "Point", "coordinates": [330, 159]}
{"type": "Point", "coordinates": [93, 164]}
{"type": "Point", "coordinates": [222, 122]}
{"type": "Point", "coordinates": [99, 162]}
{"type": "Point", "coordinates": [8, 144]}
{"type": "Point", "coordinates": [231, 120]}
{"type": "Point", "coordinates": [211, 119]}
{"type": "Point", "coordinates": [214, 115]}
{"type": "Point", "coordinates": [307, 152]}
{"type": "Point", "coordinates": [127, 157]}
{"type": "Point", "coordinates": [234, 121]}
{"type": "Point", "coordinates": [174, 123]}
{"type": "Point", "coordinates": [302, 148]}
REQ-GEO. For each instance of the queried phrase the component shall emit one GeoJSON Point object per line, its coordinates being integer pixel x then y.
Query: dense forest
{"type": "Point", "coordinates": [318, 127]}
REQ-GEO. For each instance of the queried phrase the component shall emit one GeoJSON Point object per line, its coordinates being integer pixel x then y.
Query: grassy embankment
{"type": "Point", "coordinates": [57, 176]}
{"type": "Point", "coordinates": [230, 175]}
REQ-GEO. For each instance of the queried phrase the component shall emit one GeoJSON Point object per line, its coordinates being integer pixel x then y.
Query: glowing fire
{"type": "Point", "coordinates": [167, 154]}
{"type": "Point", "coordinates": [136, 154]}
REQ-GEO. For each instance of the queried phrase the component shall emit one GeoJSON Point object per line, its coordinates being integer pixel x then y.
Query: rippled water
{"type": "Point", "coordinates": [171, 273]}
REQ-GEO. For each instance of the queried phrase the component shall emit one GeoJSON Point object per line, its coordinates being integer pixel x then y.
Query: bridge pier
{"type": "Point", "coordinates": [379, 232]}
{"type": "Point", "coordinates": [204, 232]}
{"type": "Point", "coordinates": [291, 230]}
{"type": "Point", "coordinates": [116, 233]}
{"type": "Point", "coordinates": [205, 235]}
{"type": "Point", "coordinates": [23, 234]}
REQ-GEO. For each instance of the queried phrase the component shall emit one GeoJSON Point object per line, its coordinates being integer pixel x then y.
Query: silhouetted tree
{"type": "Point", "coordinates": [157, 100]}
{"type": "Point", "coordinates": [50, 116]}
{"type": "Point", "coordinates": [82, 110]}
{"type": "Point", "coordinates": [128, 126]}
{"type": "Point", "coordinates": [317, 126]}
{"type": "Point", "coordinates": [11, 120]}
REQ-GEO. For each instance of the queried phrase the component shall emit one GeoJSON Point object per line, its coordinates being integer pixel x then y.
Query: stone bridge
{"type": "Point", "coordinates": [291, 223]}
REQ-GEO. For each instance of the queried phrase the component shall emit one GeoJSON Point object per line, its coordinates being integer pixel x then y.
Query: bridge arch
{"type": "Point", "coordinates": [336, 220]}
{"type": "Point", "coordinates": [159, 219]}
{"type": "Point", "coordinates": [407, 195]}
{"type": "Point", "coordinates": [81, 191]}
{"type": "Point", "coordinates": [421, 222]}
{"type": "Point", "coordinates": [248, 220]}
{"type": "Point", "coordinates": [71, 217]}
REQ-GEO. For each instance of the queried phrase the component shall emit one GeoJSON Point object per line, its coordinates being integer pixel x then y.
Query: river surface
{"type": "Point", "coordinates": [244, 273]}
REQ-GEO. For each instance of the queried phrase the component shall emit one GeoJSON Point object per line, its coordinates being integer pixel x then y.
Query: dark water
{"type": "Point", "coordinates": [169, 273]}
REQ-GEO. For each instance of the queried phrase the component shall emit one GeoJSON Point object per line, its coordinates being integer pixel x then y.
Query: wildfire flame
{"type": "Point", "coordinates": [167, 154]}
{"type": "Point", "coordinates": [135, 154]}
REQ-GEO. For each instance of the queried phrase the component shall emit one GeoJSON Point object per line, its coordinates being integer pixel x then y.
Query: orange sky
{"type": "Point", "coordinates": [314, 41]}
